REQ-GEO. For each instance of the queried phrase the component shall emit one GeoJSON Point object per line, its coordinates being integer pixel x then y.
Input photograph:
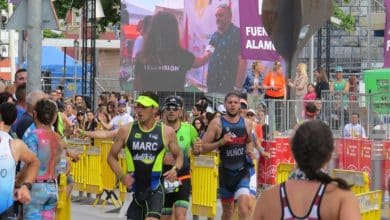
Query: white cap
{"type": "Point", "coordinates": [251, 110]}
{"type": "Point", "coordinates": [221, 108]}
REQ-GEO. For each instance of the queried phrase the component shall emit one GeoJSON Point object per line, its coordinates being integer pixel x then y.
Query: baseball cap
{"type": "Point", "coordinates": [174, 101]}
{"type": "Point", "coordinates": [122, 102]}
{"type": "Point", "coordinates": [339, 69]}
{"type": "Point", "coordinates": [146, 101]}
{"type": "Point", "coordinates": [221, 109]}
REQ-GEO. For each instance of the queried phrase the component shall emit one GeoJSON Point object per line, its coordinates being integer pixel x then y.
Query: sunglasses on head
{"type": "Point", "coordinates": [243, 106]}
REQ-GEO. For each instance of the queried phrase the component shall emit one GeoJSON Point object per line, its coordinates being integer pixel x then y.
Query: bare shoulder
{"type": "Point", "coordinates": [124, 130]}
{"type": "Point", "coordinates": [167, 129]}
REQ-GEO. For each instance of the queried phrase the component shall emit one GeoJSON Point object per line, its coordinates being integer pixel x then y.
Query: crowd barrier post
{"type": "Point", "coordinates": [204, 181]}
{"type": "Point", "coordinates": [377, 165]}
{"type": "Point", "coordinates": [283, 172]}
{"type": "Point", "coordinates": [370, 205]}
{"type": "Point", "coordinates": [64, 204]}
{"type": "Point", "coordinates": [107, 176]}
{"type": "Point", "coordinates": [359, 180]}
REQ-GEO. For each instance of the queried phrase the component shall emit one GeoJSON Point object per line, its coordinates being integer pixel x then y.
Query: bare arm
{"type": "Point", "coordinates": [346, 89]}
{"type": "Point", "coordinates": [249, 142]}
{"type": "Point", "coordinates": [173, 146]}
{"type": "Point", "coordinates": [202, 60]}
{"type": "Point", "coordinates": [241, 72]}
{"type": "Point", "coordinates": [102, 134]}
{"type": "Point", "coordinates": [22, 153]}
{"type": "Point", "coordinates": [118, 144]}
{"type": "Point", "coordinates": [177, 154]}
{"type": "Point", "coordinates": [212, 133]}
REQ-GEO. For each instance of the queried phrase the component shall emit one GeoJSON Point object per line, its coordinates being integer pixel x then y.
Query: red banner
{"type": "Point", "coordinates": [280, 153]}
{"type": "Point", "coordinates": [351, 154]}
{"type": "Point", "coordinates": [386, 170]}
{"type": "Point", "coordinates": [365, 156]}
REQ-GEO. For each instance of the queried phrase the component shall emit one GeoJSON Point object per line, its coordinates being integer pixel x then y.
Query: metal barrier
{"type": "Point", "coordinates": [92, 173]}
{"type": "Point", "coordinates": [370, 205]}
{"type": "Point", "coordinates": [64, 204]}
{"type": "Point", "coordinates": [204, 181]}
{"type": "Point", "coordinates": [283, 172]}
{"type": "Point", "coordinates": [359, 180]}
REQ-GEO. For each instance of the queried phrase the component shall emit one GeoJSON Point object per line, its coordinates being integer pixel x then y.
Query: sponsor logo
{"type": "Point", "coordinates": [137, 135]}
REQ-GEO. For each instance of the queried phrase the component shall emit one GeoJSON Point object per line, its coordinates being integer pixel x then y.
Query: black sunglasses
{"type": "Point", "coordinates": [172, 108]}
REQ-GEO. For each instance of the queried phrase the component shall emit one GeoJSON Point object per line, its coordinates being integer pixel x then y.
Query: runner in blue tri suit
{"type": "Point", "coordinates": [231, 134]}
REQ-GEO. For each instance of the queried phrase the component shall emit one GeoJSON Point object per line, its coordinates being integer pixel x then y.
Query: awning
{"type": "Point", "coordinates": [5, 69]}
{"type": "Point", "coordinates": [130, 31]}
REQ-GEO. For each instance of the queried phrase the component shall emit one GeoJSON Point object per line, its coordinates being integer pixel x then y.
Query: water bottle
{"type": "Point", "coordinates": [61, 166]}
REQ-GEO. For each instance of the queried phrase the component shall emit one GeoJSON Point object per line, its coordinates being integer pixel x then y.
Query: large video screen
{"type": "Point", "coordinates": [192, 45]}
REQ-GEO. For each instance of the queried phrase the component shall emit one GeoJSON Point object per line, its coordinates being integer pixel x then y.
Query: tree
{"type": "Point", "coordinates": [111, 9]}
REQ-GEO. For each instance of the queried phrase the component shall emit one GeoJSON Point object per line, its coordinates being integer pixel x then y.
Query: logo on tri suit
{"type": "Point", "coordinates": [145, 151]}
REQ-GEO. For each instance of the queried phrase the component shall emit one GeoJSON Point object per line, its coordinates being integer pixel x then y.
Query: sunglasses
{"type": "Point", "coordinates": [172, 108]}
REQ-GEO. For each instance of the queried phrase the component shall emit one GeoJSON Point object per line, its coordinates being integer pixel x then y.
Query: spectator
{"type": "Point", "coordinates": [103, 120]}
{"type": "Point", "coordinates": [274, 83]}
{"type": "Point", "coordinates": [354, 129]}
{"type": "Point", "coordinates": [312, 147]}
{"type": "Point", "coordinates": [20, 77]}
{"type": "Point", "coordinates": [6, 97]}
{"type": "Point", "coordinates": [300, 85]}
{"type": "Point", "coordinates": [226, 69]}
{"type": "Point", "coordinates": [253, 84]}
{"type": "Point", "coordinates": [322, 81]}
{"type": "Point", "coordinates": [27, 118]}
{"type": "Point", "coordinates": [102, 100]}
{"type": "Point", "coordinates": [121, 118]}
{"type": "Point", "coordinates": [80, 120]}
{"type": "Point", "coordinates": [20, 95]}
{"type": "Point", "coordinates": [90, 123]}
{"type": "Point", "coordinates": [310, 96]}
{"type": "Point", "coordinates": [111, 110]}
{"type": "Point", "coordinates": [197, 111]}
{"type": "Point", "coordinates": [199, 126]}
{"type": "Point", "coordinates": [70, 113]}
{"type": "Point", "coordinates": [340, 85]}
{"type": "Point", "coordinates": [353, 88]}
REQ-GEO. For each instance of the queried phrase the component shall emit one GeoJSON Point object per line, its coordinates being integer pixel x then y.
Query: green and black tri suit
{"type": "Point", "coordinates": [186, 137]}
{"type": "Point", "coordinates": [144, 155]}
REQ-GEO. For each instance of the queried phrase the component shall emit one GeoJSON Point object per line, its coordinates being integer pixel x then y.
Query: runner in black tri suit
{"type": "Point", "coordinates": [145, 142]}
{"type": "Point", "coordinates": [178, 196]}
{"type": "Point", "coordinates": [231, 135]}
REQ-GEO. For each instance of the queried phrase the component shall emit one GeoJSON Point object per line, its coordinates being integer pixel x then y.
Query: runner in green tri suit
{"type": "Point", "coordinates": [145, 142]}
{"type": "Point", "coordinates": [178, 197]}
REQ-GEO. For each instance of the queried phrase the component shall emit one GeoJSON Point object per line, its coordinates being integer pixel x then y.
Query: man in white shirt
{"type": "Point", "coordinates": [354, 129]}
{"type": "Point", "coordinates": [122, 118]}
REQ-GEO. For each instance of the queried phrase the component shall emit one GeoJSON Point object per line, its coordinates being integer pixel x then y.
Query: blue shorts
{"type": "Point", "coordinates": [241, 189]}
{"type": "Point", "coordinates": [252, 181]}
{"type": "Point", "coordinates": [43, 202]}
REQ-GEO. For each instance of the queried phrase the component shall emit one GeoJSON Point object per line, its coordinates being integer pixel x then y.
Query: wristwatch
{"type": "Point", "coordinates": [28, 185]}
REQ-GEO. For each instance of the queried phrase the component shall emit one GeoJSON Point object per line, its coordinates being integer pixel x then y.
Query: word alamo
{"type": "Point", "coordinates": [260, 44]}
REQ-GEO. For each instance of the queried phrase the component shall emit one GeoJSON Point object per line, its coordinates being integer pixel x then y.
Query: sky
{"type": "Point", "coordinates": [149, 4]}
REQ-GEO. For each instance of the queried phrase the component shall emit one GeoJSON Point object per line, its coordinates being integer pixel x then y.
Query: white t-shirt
{"type": "Point", "coordinates": [121, 120]}
{"type": "Point", "coordinates": [137, 46]}
{"type": "Point", "coordinates": [354, 131]}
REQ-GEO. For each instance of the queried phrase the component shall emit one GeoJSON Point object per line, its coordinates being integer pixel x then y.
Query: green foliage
{"type": "Point", "coordinates": [51, 34]}
{"type": "Point", "coordinates": [3, 4]}
{"type": "Point", "coordinates": [111, 10]}
{"type": "Point", "coordinates": [347, 20]}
